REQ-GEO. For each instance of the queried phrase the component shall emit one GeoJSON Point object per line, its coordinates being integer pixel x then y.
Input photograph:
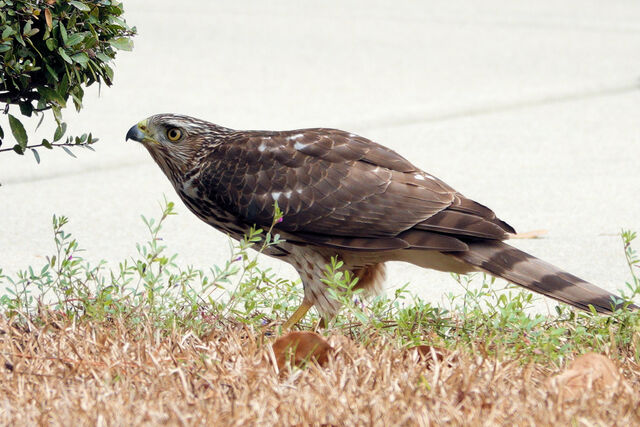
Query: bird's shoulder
{"type": "Point", "coordinates": [330, 145]}
{"type": "Point", "coordinates": [331, 182]}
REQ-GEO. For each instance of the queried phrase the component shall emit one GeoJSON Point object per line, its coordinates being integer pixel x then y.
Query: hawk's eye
{"type": "Point", "coordinates": [174, 134]}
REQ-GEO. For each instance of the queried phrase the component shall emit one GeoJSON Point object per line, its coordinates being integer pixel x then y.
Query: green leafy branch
{"type": "Point", "coordinates": [50, 50]}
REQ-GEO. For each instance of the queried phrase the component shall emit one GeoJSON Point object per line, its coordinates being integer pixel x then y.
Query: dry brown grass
{"type": "Point", "coordinates": [110, 374]}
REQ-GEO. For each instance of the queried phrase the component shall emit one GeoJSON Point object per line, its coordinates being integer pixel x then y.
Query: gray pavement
{"type": "Point", "coordinates": [528, 107]}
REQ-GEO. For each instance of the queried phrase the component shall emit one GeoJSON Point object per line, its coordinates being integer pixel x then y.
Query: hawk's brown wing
{"type": "Point", "coordinates": [340, 189]}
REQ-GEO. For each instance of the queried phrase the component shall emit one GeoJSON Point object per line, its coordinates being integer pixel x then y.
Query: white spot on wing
{"type": "Point", "coordinates": [262, 147]}
{"type": "Point", "coordinates": [190, 189]}
{"type": "Point", "coordinates": [423, 176]}
{"type": "Point", "coordinates": [287, 194]}
{"type": "Point", "coordinates": [299, 146]}
{"type": "Point", "coordinates": [296, 137]}
{"type": "Point", "coordinates": [276, 195]}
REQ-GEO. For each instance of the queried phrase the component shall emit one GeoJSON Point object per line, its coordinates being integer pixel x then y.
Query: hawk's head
{"type": "Point", "coordinates": [174, 141]}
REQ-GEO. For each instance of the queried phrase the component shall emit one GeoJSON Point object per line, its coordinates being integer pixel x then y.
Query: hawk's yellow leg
{"type": "Point", "coordinates": [299, 314]}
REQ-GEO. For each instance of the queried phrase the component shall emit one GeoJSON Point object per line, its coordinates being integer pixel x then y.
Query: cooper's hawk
{"type": "Point", "coordinates": [342, 194]}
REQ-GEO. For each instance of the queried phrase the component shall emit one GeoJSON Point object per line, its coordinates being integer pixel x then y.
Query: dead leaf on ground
{"type": "Point", "coordinates": [300, 347]}
{"type": "Point", "coordinates": [591, 371]}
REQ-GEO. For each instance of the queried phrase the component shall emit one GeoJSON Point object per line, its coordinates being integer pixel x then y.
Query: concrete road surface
{"type": "Point", "coordinates": [532, 108]}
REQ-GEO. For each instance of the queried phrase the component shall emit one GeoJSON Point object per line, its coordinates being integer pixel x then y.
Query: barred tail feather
{"type": "Point", "coordinates": [504, 261]}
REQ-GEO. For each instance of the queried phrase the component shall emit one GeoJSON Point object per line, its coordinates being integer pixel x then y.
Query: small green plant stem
{"type": "Point", "coordinates": [53, 144]}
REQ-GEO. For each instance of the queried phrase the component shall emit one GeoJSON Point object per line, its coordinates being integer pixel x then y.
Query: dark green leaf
{"type": "Point", "coordinates": [52, 96]}
{"type": "Point", "coordinates": [63, 33]}
{"type": "Point", "coordinates": [40, 121]}
{"type": "Point", "coordinates": [102, 57]}
{"type": "Point", "coordinates": [36, 155]}
{"type": "Point", "coordinates": [122, 43]}
{"type": "Point", "coordinates": [27, 28]}
{"type": "Point", "coordinates": [80, 6]}
{"type": "Point", "coordinates": [46, 144]}
{"type": "Point", "coordinates": [18, 149]}
{"type": "Point", "coordinates": [72, 21]}
{"type": "Point", "coordinates": [64, 84]}
{"type": "Point", "coordinates": [7, 32]}
{"type": "Point", "coordinates": [90, 42]}
{"type": "Point", "coordinates": [4, 47]}
{"type": "Point", "coordinates": [74, 39]}
{"type": "Point", "coordinates": [57, 114]}
{"type": "Point", "coordinates": [17, 129]}
{"type": "Point", "coordinates": [2, 133]}
{"type": "Point", "coordinates": [62, 128]}
{"type": "Point", "coordinates": [77, 94]}
{"type": "Point", "coordinates": [20, 40]}
{"type": "Point", "coordinates": [64, 55]}
{"type": "Point", "coordinates": [108, 74]}
{"type": "Point", "coordinates": [52, 72]}
{"type": "Point", "coordinates": [47, 33]}
{"type": "Point", "coordinates": [81, 58]}
{"type": "Point", "coordinates": [26, 109]}
{"type": "Point", "coordinates": [68, 151]}
{"type": "Point", "coordinates": [51, 44]}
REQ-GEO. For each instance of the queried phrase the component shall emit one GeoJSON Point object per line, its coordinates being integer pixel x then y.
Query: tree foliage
{"type": "Point", "coordinates": [49, 51]}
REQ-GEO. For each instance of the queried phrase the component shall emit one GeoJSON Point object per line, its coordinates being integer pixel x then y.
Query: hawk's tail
{"type": "Point", "coordinates": [501, 260]}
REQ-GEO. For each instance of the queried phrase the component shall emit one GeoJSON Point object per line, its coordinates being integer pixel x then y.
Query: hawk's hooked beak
{"type": "Point", "coordinates": [139, 132]}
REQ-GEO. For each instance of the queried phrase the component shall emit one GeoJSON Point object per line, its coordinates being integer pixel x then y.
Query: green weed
{"type": "Point", "coordinates": [485, 318]}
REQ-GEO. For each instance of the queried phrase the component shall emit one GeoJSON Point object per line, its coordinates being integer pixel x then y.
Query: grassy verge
{"type": "Point", "coordinates": [151, 342]}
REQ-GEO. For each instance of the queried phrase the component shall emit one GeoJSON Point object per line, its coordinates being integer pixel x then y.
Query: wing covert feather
{"type": "Point", "coordinates": [338, 186]}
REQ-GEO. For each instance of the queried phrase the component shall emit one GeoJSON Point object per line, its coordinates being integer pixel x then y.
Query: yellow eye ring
{"type": "Point", "coordinates": [174, 134]}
